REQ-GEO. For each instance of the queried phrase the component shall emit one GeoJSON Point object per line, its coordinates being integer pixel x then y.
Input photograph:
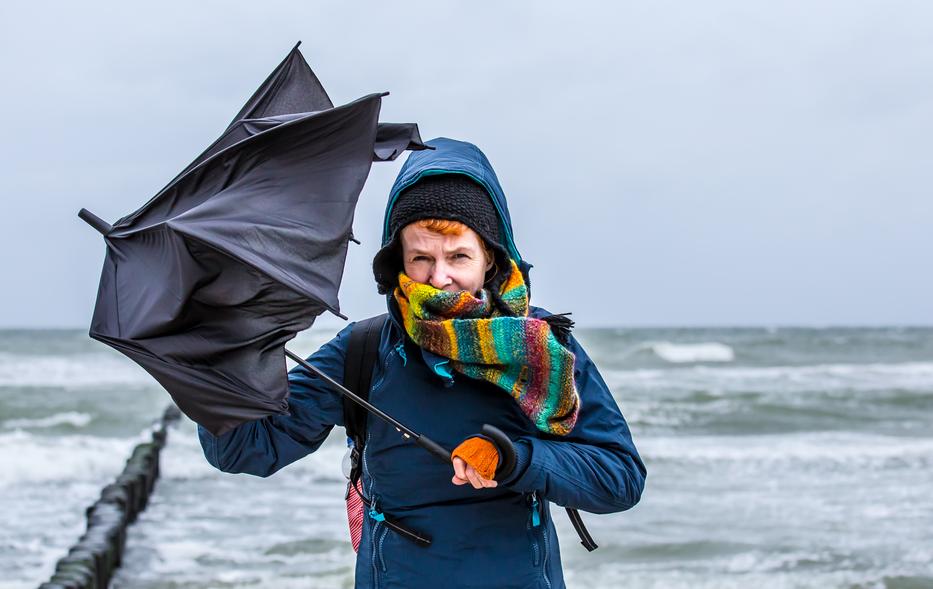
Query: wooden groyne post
{"type": "Point", "coordinates": [91, 562]}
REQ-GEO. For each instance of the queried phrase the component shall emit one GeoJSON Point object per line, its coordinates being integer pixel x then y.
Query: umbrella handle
{"type": "Point", "coordinates": [506, 450]}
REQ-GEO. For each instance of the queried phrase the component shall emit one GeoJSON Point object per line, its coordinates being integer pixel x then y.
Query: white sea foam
{"type": "Point", "coordinates": [46, 483]}
{"type": "Point", "coordinates": [72, 418]}
{"type": "Point", "coordinates": [303, 503]}
{"type": "Point", "coordinates": [908, 376]}
{"type": "Point", "coordinates": [104, 368]}
{"type": "Point", "coordinates": [698, 352]}
{"type": "Point", "coordinates": [820, 447]}
{"type": "Point", "coordinates": [683, 353]}
{"type": "Point", "coordinates": [722, 575]}
{"type": "Point", "coordinates": [76, 371]}
{"type": "Point", "coordinates": [29, 458]}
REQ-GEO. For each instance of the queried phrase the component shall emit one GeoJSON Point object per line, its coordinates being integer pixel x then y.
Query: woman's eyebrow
{"type": "Point", "coordinates": [461, 249]}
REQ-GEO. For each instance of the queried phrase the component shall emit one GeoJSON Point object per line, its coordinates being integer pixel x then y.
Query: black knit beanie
{"type": "Point", "coordinates": [444, 196]}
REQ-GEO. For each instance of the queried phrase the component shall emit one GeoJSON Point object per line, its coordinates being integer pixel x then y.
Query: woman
{"type": "Point", "coordinates": [462, 348]}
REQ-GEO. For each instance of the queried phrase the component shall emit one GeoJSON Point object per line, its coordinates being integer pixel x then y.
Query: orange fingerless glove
{"type": "Point", "coordinates": [479, 453]}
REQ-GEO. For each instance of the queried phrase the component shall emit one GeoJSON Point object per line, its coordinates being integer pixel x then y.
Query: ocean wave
{"type": "Point", "coordinates": [29, 458]}
{"type": "Point", "coordinates": [298, 514]}
{"type": "Point", "coordinates": [46, 484]}
{"type": "Point", "coordinates": [86, 370]}
{"type": "Point", "coordinates": [688, 353]}
{"type": "Point", "coordinates": [818, 447]}
{"type": "Point", "coordinates": [817, 377]}
{"type": "Point", "coordinates": [684, 353]}
{"type": "Point", "coordinates": [72, 418]}
{"type": "Point", "coordinates": [759, 569]}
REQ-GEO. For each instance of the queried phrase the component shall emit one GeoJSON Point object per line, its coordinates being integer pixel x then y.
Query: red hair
{"type": "Point", "coordinates": [451, 227]}
{"type": "Point", "coordinates": [442, 226]}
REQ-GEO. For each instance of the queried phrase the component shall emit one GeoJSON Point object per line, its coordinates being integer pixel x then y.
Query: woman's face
{"type": "Point", "coordinates": [447, 262]}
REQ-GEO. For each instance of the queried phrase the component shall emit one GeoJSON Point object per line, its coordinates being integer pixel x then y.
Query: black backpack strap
{"type": "Point", "coordinates": [361, 357]}
{"type": "Point", "coordinates": [359, 362]}
{"type": "Point", "coordinates": [581, 530]}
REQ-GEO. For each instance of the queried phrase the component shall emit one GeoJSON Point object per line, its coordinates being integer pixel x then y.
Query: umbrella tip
{"type": "Point", "coordinates": [103, 227]}
{"type": "Point", "coordinates": [297, 45]}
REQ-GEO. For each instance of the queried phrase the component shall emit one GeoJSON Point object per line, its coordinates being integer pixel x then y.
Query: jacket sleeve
{"type": "Point", "coordinates": [263, 446]}
{"type": "Point", "coordinates": [596, 467]}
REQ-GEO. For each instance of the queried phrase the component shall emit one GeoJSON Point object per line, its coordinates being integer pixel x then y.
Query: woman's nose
{"type": "Point", "coordinates": [440, 276]}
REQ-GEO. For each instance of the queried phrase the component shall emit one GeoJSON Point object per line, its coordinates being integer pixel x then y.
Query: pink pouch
{"type": "Point", "coordinates": [355, 515]}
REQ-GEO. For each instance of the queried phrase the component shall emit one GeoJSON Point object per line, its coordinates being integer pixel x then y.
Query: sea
{"type": "Point", "coordinates": [777, 458]}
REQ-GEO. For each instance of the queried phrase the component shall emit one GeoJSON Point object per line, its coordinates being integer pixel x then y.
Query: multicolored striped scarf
{"type": "Point", "coordinates": [518, 354]}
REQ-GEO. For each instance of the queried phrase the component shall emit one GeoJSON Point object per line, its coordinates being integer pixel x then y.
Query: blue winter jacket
{"type": "Point", "coordinates": [501, 537]}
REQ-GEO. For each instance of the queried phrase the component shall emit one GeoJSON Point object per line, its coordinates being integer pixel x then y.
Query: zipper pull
{"type": "Point", "coordinates": [535, 516]}
{"type": "Point", "coordinates": [376, 515]}
{"type": "Point", "coordinates": [400, 348]}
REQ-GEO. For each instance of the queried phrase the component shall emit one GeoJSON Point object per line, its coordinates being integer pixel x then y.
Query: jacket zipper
{"type": "Point", "coordinates": [374, 524]}
{"type": "Point", "coordinates": [536, 521]}
{"type": "Point", "coordinates": [385, 531]}
{"type": "Point", "coordinates": [533, 523]}
{"type": "Point", "coordinates": [544, 533]}
{"type": "Point", "coordinates": [374, 514]}
{"type": "Point", "coordinates": [378, 517]}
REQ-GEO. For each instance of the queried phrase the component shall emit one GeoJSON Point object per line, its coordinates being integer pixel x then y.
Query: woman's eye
{"type": "Point", "coordinates": [461, 256]}
{"type": "Point", "coordinates": [419, 259]}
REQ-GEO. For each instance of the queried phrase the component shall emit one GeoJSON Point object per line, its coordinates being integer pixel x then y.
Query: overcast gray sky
{"type": "Point", "coordinates": [666, 163]}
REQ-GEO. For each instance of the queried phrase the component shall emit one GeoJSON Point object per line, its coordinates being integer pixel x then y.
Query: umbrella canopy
{"type": "Point", "coordinates": [205, 284]}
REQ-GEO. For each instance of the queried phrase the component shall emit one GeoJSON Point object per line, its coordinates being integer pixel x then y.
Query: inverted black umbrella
{"type": "Point", "coordinates": [205, 284]}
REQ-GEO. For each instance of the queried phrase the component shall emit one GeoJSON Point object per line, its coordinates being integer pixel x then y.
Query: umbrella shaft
{"type": "Point", "coordinates": [422, 441]}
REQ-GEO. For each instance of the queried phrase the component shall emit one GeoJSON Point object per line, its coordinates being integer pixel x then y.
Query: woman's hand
{"type": "Point", "coordinates": [475, 461]}
{"type": "Point", "coordinates": [464, 473]}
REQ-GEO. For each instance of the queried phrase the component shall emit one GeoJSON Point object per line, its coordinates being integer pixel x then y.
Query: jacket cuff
{"type": "Point", "coordinates": [522, 462]}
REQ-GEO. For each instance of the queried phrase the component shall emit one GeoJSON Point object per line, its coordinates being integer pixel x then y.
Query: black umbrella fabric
{"type": "Point", "coordinates": [205, 284]}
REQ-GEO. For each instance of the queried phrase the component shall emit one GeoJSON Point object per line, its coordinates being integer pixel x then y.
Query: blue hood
{"type": "Point", "coordinates": [450, 156]}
